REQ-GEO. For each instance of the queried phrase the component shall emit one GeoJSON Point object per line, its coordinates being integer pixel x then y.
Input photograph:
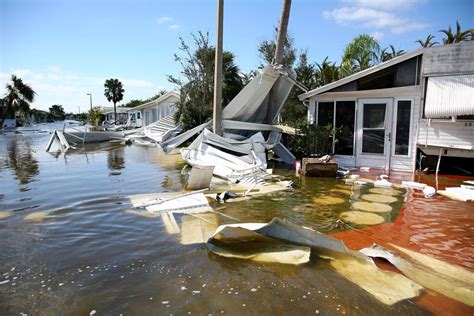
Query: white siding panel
{"type": "Point", "coordinates": [447, 134]}
{"type": "Point", "coordinates": [449, 96]}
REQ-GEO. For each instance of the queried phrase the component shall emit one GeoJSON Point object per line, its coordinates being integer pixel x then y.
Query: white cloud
{"type": "Point", "coordinates": [376, 15]}
{"type": "Point", "coordinates": [164, 20]}
{"type": "Point", "coordinates": [385, 4]}
{"type": "Point", "coordinates": [167, 21]}
{"type": "Point", "coordinates": [377, 35]}
{"type": "Point", "coordinates": [408, 27]}
{"type": "Point", "coordinates": [56, 86]}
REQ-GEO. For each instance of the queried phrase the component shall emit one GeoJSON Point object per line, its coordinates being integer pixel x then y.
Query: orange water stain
{"type": "Point", "coordinates": [437, 227]}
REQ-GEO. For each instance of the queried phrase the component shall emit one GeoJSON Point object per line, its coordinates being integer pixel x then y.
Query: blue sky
{"type": "Point", "coordinates": [66, 49]}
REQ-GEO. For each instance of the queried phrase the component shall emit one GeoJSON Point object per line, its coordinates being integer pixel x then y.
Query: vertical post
{"type": "Point", "coordinates": [217, 115]}
{"type": "Point", "coordinates": [278, 58]}
{"type": "Point", "coordinates": [90, 95]}
{"type": "Point", "coordinates": [282, 31]}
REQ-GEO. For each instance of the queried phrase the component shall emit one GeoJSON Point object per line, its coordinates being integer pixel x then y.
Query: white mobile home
{"type": "Point", "coordinates": [155, 110]}
{"type": "Point", "coordinates": [422, 100]}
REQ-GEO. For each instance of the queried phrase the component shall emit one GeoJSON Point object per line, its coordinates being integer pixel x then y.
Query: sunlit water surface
{"type": "Point", "coordinates": [89, 254]}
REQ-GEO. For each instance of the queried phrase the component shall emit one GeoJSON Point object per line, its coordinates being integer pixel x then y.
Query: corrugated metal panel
{"type": "Point", "coordinates": [447, 134]}
{"type": "Point", "coordinates": [449, 96]}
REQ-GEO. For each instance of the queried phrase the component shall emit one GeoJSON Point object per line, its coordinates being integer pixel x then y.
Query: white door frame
{"type": "Point", "coordinates": [373, 159]}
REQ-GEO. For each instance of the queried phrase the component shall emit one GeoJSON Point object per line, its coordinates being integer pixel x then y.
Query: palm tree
{"type": "Point", "coordinates": [327, 72]}
{"type": "Point", "coordinates": [427, 42]}
{"type": "Point", "coordinates": [361, 53]}
{"type": "Point", "coordinates": [457, 37]}
{"type": "Point", "coordinates": [18, 97]}
{"type": "Point", "coordinates": [386, 55]}
{"type": "Point", "coordinates": [114, 92]}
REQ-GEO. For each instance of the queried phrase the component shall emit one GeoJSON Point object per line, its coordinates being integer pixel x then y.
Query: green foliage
{"type": "Point", "coordinates": [294, 112]}
{"type": "Point", "coordinates": [94, 115]}
{"type": "Point", "coordinates": [196, 82]}
{"type": "Point", "coordinates": [326, 72]}
{"type": "Point", "coordinates": [361, 53]}
{"type": "Point", "coordinates": [114, 93]}
{"type": "Point", "coordinates": [57, 112]}
{"type": "Point", "coordinates": [312, 140]}
{"type": "Point", "coordinates": [389, 53]}
{"type": "Point", "coordinates": [267, 49]}
{"type": "Point", "coordinates": [137, 102]}
{"type": "Point", "coordinates": [18, 97]}
{"type": "Point", "coordinates": [427, 42]}
{"type": "Point", "coordinates": [459, 36]}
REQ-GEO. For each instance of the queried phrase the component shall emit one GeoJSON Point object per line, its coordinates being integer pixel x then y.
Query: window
{"type": "Point", "coordinates": [325, 113]}
{"type": "Point", "coordinates": [373, 133]}
{"type": "Point", "coordinates": [345, 120]}
{"type": "Point", "coordinates": [402, 139]}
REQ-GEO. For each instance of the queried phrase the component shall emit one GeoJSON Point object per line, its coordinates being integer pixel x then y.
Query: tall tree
{"type": "Point", "coordinates": [459, 36]}
{"type": "Point", "coordinates": [267, 48]}
{"type": "Point", "coordinates": [326, 72]}
{"type": "Point", "coordinates": [427, 42]}
{"type": "Point", "coordinates": [57, 112]}
{"type": "Point", "coordinates": [361, 53]}
{"type": "Point", "coordinates": [196, 82]}
{"type": "Point", "coordinates": [113, 92]}
{"type": "Point", "coordinates": [389, 53]}
{"type": "Point", "coordinates": [18, 97]}
{"type": "Point", "coordinates": [293, 112]}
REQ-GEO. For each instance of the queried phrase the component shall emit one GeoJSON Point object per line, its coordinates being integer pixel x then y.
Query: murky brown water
{"type": "Point", "coordinates": [89, 254]}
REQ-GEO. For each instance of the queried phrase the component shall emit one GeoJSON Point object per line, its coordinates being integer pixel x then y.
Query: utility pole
{"type": "Point", "coordinates": [90, 95]}
{"type": "Point", "coordinates": [217, 114]}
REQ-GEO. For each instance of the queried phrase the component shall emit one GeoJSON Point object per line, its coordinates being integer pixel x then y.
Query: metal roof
{"type": "Point", "coordinates": [160, 99]}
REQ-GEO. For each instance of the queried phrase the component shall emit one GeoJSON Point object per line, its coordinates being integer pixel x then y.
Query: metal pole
{"type": "Point", "coordinates": [282, 30]}
{"type": "Point", "coordinates": [217, 115]}
{"type": "Point", "coordinates": [90, 95]}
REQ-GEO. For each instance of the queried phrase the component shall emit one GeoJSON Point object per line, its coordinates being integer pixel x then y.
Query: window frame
{"type": "Point", "coordinates": [334, 101]}
{"type": "Point", "coordinates": [394, 127]}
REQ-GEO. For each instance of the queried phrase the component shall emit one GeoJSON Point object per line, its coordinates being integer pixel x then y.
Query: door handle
{"type": "Point", "coordinates": [389, 136]}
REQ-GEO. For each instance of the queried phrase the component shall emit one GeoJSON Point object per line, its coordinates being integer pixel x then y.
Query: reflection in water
{"type": "Point", "coordinates": [116, 159]}
{"type": "Point", "coordinates": [20, 159]}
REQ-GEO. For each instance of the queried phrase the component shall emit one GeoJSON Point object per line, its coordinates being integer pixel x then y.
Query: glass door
{"type": "Point", "coordinates": [374, 133]}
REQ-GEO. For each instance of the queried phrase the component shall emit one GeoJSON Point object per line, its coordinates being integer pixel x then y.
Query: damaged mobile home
{"type": "Point", "coordinates": [419, 102]}
{"type": "Point", "coordinates": [248, 130]}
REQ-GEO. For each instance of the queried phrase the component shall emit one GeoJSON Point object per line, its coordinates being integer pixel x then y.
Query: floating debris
{"type": "Point", "coordinates": [379, 198]}
{"type": "Point", "coordinates": [36, 217]}
{"type": "Point", "coordinates": [242, 242]}
{"type": "Point", "coordinates": [373, 207]}
{"type": "Point", "coordinates": [4, 214]}
{"type": "Point", "coordinates": [386, 286]}
{"type": "Point", "coordinates": [361, 218]}
{"type": "Point", "coordinates": [328, 200]}
{"type": "Point", "coordinates": [450, 280]}
{"type": "Point", "coordinates": [385, 191]}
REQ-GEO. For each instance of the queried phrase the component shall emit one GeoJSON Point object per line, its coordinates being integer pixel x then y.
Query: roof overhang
{"type": "Point", "coordinates": [165, 96]}
{"type": "Point", "coordinates": [361, 74]}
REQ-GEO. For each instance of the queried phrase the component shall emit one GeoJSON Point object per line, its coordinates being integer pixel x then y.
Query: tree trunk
{"type": "Point", "coordinates": [3, 119]}
{"type": "Point", "coordinates": [115, 114]}
{"type": "Point", "coordinates": [282, 30]}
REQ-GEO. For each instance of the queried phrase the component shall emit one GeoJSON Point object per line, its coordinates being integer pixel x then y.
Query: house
{"type": "Point", "coordinates": [122, 115]}
{"type": "Point", "coordinates": [422, 101]}
{"type": "Point", "coordinates": [155, 110]}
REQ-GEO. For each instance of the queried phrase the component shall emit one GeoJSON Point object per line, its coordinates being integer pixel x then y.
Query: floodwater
{"type": "Point", "coordinates": [69, 246]}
